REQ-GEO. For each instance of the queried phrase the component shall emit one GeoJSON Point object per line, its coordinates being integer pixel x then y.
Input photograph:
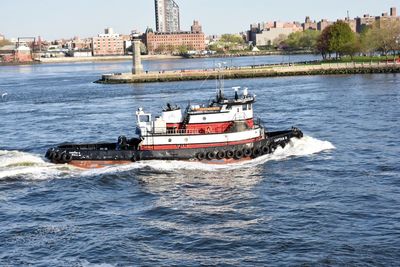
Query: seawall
{"type": "Point", "coordinates": [253, 72]}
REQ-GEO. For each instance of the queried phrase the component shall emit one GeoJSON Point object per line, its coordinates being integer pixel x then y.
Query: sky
{"type": "Point", "coordinates": [86, 18]}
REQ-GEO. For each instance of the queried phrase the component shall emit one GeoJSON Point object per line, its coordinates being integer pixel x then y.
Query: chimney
{"type": "Point", "coordinates": [393, 12]}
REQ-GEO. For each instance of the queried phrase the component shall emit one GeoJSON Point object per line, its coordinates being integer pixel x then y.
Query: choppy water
{"type": "Point", "coordinates": [330, 199]}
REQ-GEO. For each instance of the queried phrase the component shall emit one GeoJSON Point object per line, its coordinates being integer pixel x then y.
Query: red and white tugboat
{"type": "Point", "coordinates": [223, 131]}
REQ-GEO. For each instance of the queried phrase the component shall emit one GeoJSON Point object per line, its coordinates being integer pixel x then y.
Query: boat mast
{"type": "Point", "coordinates": [220, 82]}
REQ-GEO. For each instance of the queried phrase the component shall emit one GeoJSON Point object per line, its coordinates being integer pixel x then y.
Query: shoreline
{"type": "Point", "coordinates": [145, 58]}
{"type": "Point", "coordinates": [252, 72]}
{"type": "Point", "coordinates": [105, 58]}
{"type": "Point", "coordinates": [89, 59]}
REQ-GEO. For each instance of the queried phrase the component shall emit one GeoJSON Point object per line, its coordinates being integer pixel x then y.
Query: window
{"type": "Point", "coordinates": [244, 107]}
{"type": "Point", "coordinates": [144, 118]}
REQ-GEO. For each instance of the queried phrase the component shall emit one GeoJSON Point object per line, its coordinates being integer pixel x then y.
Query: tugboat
{"type": "Point", "coordinates": [223, 131]}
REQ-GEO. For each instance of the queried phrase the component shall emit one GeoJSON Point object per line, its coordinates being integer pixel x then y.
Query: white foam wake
{"type": "Point", "coordinates": [30, 166]}
{"type": "Point", "coordinates": [16, 164]}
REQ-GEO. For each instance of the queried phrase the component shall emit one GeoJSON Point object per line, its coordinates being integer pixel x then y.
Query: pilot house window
{"type": "Point", "coordinates": [144, 118]}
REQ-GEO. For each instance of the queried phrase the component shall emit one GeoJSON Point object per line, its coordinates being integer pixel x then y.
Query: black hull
{"type": "Point", "coordinates": [112, 153]}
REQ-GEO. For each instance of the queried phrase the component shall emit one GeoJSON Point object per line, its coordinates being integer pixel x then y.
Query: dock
{"type": "Point", "coordinates": [253, 72]}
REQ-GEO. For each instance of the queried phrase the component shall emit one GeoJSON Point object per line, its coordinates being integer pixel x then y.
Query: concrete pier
{"type": "Point", "coordinates": [253, 72]}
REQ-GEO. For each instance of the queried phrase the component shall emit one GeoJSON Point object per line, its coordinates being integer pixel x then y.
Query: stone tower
{"type": "Point", "coordinates": [137, 60]}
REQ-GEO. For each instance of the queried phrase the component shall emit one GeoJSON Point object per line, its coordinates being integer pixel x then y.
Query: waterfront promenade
{"type": "Point", "coordinates": [253, 72]}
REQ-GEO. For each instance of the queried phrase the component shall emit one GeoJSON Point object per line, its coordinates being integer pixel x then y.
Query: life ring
{"type": "Point", "coordinates": [200, 156]}
{"type": "Point", "coordinates": [221, 155]}
{"type": "Point", "coordinates": [256, 152]}
{"type": "Point", "coordinates": [211, 155]}
{"type": "Point", "coordinates": [247, 152]}
{"type": "Point", "coordinates": [238, 154]}
{"type": "Point", "coordinates": [230, 154]}
{"type": "Point", "coordinates": [265, 149]}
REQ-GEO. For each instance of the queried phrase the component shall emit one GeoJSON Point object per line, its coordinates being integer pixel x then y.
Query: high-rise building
{"type": "Point", "coordinates": [167, 16]}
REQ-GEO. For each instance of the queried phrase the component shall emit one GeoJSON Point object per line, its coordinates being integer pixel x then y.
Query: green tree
{"type": "Point", "coordinates": [232, 38]}
{"type": "Point", "coordinates": [280, 40]}
{"type": "Point", "coordinates": [160, 49]}
{"type": "Point", "coordinates": [4, 42]}
{"type": "Point", "coordinates": [182, 49]}
{"type": "Point", "coordinates": [303, 40]}
{"type": "Point", "coordinates": [367, 42]}
{"type": "Point", "coordinates": [341, 38]}
{"type": "Point", "coordinates": [323, 46]}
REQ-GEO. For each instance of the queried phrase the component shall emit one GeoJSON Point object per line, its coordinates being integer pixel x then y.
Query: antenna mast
{"type": "Point", "coordinates": [220, 83]}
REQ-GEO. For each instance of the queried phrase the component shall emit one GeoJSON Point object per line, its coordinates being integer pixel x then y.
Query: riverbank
{"type": "Point", "coordinates": [54, 60]}
{"type": "Point", "coordinates": [105, 58]}
{"type": "Point", "coordinates": [252, 72]}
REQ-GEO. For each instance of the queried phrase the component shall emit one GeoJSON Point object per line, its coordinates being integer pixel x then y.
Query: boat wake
{"type": "Point", "coordinates": [20, 165]}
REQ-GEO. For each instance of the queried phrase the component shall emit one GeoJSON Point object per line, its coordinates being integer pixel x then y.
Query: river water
{"type": "Point", "coordinates": [330, 199]}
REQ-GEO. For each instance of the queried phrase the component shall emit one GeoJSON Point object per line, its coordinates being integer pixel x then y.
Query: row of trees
{"type": "Point", "coordinates": [4, 42]}
{"type": "Point", "coordinates": [228, 42]}
{"type": "Point", "coordinates": [338, 39]}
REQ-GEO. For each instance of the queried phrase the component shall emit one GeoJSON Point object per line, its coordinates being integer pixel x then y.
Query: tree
{"type": "Point", "coordinates": [232, 38]}
{"type": "Point", "coordinates": [182, 50]}
{"type": "Point", "coordinates": [4, 42]}
{"type": "Point", "coordinates": [278, 41]}
{"type": "Point", "coordinates": [341, 38]}
{"type": "Point", "coordinates": [303, 40]}
{"type": "Point", "coordinates": [367, 42]}
{"type": "Point", "coordinates": [323, 46]}
{"type": "Point", "coordinates": [160, 49]}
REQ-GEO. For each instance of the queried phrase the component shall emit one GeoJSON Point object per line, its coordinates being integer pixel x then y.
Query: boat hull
{"type": "Point", "coordinates": [103, 155]}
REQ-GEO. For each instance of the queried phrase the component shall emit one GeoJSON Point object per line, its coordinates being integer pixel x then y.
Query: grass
{"type": "Point", "coordinates": [361, 59]}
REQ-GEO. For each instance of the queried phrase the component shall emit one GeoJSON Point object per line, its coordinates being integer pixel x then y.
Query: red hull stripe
{"type": "Point", "coordinates": [192, 146]}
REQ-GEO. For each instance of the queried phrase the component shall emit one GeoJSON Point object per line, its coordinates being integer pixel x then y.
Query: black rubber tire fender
{"type": "Point", "coordinates": [58, 156]}
{"type": "Point", "coordinates": [51, 156]}
{"type": "Point", "coordinates": [66, 157]}
{"type": "Point", "coordinates": [282, 144]}
{"type": "Point", "coordinates": [247, 152]}
{"type": "Point", "coordinates": [211, 155]}
{"type": "Point", "coordinates": [200, 156]}
{"type": "Point", "coordinates": [273, 147]}
{"type": "Point", "coordinates": [221, 155]}
{"type": "Point", "coordinates": [134, 158]}
{"type": "Point", "coordinates": [230, 154]}
{"type": "Point", "coordinates": [256, 152]}
{"type": "Point", "coordinates": [265, 150]}
{"type": "Point", "coordinates": [238, 154]}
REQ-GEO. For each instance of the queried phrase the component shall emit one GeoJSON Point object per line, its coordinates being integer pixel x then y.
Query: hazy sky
{"type": "Point", "coordinates": [53, 19]}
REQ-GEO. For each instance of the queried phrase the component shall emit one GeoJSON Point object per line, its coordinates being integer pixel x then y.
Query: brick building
{"type": "Point", "coordinates": [168, 41]}
{"type": "Point", "coordinates": [264, 33]}
{"type": "Point", "coordinates": [309, 24]}
{"type": "Point", "coordinates": [367, 20]}
{"type": "Point", "coordinates": [108, 44]}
